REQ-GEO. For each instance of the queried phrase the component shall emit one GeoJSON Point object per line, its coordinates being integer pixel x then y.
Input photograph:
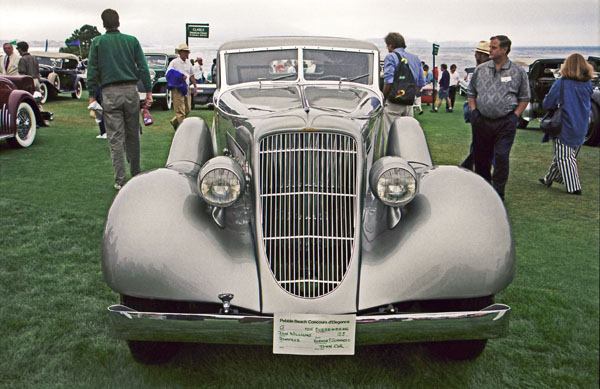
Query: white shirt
{"type": "Point", "coordinates": [198, 73]}
{"type": "Point", "coordinates": [182, 67]}
{"type": "Point", "coordinates": [454, 78]}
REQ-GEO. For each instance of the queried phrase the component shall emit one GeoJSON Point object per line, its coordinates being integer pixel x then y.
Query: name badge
{"type": "Point", "coordinates": [505, 79]}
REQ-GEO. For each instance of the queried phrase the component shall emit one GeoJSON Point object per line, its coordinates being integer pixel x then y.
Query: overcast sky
{"type": "Point", "coordinates": [162, 23]}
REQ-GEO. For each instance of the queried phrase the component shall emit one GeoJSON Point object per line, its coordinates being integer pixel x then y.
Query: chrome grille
{"type": "Point", "coordinates": [308, 198]}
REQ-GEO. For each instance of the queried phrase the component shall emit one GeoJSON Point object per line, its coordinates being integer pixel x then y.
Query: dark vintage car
{"type": "Point", "coordinates": [20, 115]}
{"type": "Point", "coordinates": [205, 94]}
{"type": "Point", "coordinates": [298, 221]}
{"type": "Point", "coordinates": [464, 82]}
{"type": "Point", "coordinates": [60, 74]}
{"type": "Point", "coordinates": [542, 74]}
{"type": "Point", "coordinates": [158, 64]}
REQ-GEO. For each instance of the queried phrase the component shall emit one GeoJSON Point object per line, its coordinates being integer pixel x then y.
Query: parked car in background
{"type": "Point", "coordinates": [542, 74]}
{"type": "Point", "coordinates": [205, 94]}
{"type": "Point", "coordinates": [59, 75]}
{"type": "Point", "coordinates": [158, 63]}
{"type": "Point", "coordinates": [20, 115]}
{"type": "Point", "coordinates": [464, 82]}
{"type": "Point", "coordinates": [298, 203]}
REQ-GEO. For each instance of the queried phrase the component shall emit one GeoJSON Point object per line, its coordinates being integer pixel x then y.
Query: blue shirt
{"type": "Point", "coordinates": [390, 63]}
{"type": "Point", "coordinates": [575, 109]}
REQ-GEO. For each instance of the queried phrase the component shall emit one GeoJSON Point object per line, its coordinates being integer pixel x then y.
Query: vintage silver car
{"type": "Point", "coordinates": [297, 201]}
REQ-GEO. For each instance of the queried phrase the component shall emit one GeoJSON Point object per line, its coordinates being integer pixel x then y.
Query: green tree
{"type": "Point", "coordinates": [84, 35]}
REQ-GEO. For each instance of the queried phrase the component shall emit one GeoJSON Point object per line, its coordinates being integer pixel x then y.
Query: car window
{"type": "Point", "coordinates": [261, 65]}
{"type": "Point", "coordinates": [337, 65]}
{"type": "Point", "coordinates": [156, 61]}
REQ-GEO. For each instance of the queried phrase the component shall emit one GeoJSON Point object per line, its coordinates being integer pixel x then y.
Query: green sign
{"type": "Point", "coordinates": [196, 30]}
{"type": "Point", "coordinates": [436, 48]}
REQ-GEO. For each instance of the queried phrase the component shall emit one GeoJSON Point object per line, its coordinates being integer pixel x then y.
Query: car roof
{"type": "Point", "coordinates": [49, 54]}
{"type": "Point", "coordinates": [160, 53]}
{"type": "Point", "coordinates": [261, 42]}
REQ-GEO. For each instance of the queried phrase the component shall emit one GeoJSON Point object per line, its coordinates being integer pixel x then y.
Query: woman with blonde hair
{"type": "Point", "coordinates": [576, 74]}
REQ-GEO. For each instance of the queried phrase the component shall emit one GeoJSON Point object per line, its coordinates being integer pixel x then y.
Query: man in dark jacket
{"type": "Point", "coordinates": [444, 88]}
{"type": "Point", "coordinates": [116, 63]}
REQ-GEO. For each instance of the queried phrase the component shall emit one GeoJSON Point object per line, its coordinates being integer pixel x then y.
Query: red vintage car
{"type": "Point", "coordinates": [20, 115]}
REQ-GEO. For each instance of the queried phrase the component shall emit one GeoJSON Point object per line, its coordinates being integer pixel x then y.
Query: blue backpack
{"type": "Point", "coordinates": [404, 87]}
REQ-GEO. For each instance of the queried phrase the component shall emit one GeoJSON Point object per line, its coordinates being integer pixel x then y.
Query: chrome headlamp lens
{"type": "Point", "coordinates": [221, 181]}
{"type": "Point", "coordinates": [393, 181]}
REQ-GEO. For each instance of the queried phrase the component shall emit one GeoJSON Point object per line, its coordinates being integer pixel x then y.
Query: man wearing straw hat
{"type": "Point", "coordinates": [179, 73]}
{"type": "Point", "coordinates": [482, 54]}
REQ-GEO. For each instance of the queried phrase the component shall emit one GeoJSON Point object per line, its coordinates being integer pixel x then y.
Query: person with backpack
{"type": "Point", "coordinates": [403, 77]}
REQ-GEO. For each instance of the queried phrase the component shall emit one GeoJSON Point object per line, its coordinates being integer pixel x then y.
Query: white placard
{"type": "Point", "coordinates": [307, 334]}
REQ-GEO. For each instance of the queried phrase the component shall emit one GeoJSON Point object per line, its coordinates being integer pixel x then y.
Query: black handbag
{"type": "Point", "coordinates": [552, 120]}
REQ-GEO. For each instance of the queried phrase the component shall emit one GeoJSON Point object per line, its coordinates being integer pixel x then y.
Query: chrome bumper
{"type": "Point", "coordinates": [126, 323]}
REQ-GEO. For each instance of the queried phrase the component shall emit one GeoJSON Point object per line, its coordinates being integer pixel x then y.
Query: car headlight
{"type": "Point", "coordinates": [152, 74]}
{"type": "Point", "coordinates": [393, 181]}
{"type": "Point", "coordinates": [221, 181]}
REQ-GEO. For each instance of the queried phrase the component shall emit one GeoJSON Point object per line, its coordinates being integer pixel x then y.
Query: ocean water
{"type": "Point", "coordinates": [463, 57]}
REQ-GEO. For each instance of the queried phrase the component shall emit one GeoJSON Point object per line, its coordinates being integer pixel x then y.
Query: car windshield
{"type": "Point", "coordinates": [338, 65]}
{"type": "Point", "coordinates": [156, 61]}
{"type": "Point", "coordinates": [321, 65]}
{"type": "Point", "coordinates": [261, 65]}
{"type": "Point", "coordinates": [54, 62]}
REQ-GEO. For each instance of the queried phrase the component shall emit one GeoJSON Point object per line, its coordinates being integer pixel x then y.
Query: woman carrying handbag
{"type": "Point", "coordinates": [575, 78]}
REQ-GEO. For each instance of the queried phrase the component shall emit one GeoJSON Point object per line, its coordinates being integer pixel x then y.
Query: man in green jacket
{"type": "Point", "coordinates": [116, 63]}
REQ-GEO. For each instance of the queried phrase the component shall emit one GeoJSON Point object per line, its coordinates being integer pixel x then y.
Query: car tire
{"type": "Point", "coordinates": [26, 127]}
{"type": "Point", "coordinates": [592, 138]}
{"type": "Point", "coordinates": [44, 92]}
{"type": "Point", "coordinates": [152, 353]}
{"type": "Point", "coordinates": [167, 102]}
{"type": "Point", "coordinates": [522, 123]}
{"type": "Point", "coordinates": [460, 350]}
{"type": "Point", "coordinates": [145, 352]}
{"type": "Point", "coordinates": [78, 91]}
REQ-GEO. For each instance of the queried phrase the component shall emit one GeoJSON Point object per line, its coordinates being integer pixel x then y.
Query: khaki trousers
{"type": "Point", "coordinates": [121, 105]}
{"type": "Point", "coordinates": [392, 112]}
{"type": "Point", "coordinates": [181, 106]}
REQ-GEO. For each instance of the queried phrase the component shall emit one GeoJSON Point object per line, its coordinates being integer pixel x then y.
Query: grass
{"type": "Point", "coordinates": [54, 197]}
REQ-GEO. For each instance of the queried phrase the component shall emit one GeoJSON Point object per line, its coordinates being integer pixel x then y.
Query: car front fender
{"type": "Point", "coordinates": [161, 242]}
{"type": "Point", "coordinates": [453, 241]}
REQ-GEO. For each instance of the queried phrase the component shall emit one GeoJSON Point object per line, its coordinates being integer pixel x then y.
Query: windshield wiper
{"type": "Point", "coordinates": [284, 76]}
{"type": "Point", "coordinates": [359, 77]}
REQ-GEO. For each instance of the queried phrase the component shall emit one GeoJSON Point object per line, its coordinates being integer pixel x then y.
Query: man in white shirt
{"type": "Point", "coordinates": [198, 72]}
{"type": "Point", "coordinates": [9, 62]}
{"type": "Point", "coordinates": [454, 83]}
{"type": "Point", "coordinates": [181, 101]}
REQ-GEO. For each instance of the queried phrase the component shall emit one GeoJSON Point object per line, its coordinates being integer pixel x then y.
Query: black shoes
{"type": "Point", "coordinates": [544, 182]}
{"type": "Point", "coordinates": [434, 110]}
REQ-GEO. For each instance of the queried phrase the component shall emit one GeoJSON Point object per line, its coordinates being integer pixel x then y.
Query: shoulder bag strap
{"type": "Point", "coordinates": [562, 88]}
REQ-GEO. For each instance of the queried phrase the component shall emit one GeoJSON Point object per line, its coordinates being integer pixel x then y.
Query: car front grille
{"type": "Point", "coordinates": [308, 199]}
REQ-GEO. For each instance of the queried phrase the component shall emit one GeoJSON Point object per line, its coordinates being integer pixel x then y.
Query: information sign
{"type": "Point", "coordinates": [196, 30]}
{"type": "Point", "coordinates": [306, 334]}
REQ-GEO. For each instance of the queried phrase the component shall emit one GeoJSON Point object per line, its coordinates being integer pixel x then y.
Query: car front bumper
{"type": "Point", "coordinates": [127, 323]}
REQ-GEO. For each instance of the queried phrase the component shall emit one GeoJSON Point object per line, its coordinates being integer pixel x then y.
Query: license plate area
{"type": "Point", "coordinates": [308, 334]}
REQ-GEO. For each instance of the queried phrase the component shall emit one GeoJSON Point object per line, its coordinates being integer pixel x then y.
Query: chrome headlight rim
{"type": "Point", "coordinates": [386, 165]}
{"type": "Point", "coordinates": [215, 168]}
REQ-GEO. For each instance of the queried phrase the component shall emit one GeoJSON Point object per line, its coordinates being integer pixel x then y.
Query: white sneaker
{"type": "Point", "coordinates": [103, 136]}
{"type": "Point", "coordinates": [118, 187]}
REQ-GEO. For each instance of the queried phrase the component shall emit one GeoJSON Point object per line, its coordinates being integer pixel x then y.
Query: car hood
{"type": "Point", "coordinates": [258, 101]}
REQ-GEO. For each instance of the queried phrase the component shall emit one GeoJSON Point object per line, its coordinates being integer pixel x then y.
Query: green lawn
{"type": "Point", "coordinates": [54, 197]}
